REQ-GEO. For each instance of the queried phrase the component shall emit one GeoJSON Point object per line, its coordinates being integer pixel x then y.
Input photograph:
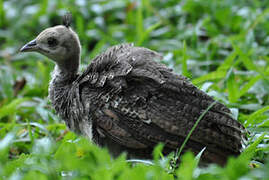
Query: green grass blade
{"type": "Point", "coordinates": [220, 72]}
{"type": "Point", "coordinates": [210, 76]}
{"type": "Point", "coordinates": [232, 87]}
{"type": "Point", "coordinates": [228, 62]}
{"type": "Point", "coordinates": [255, 115]}
{"type": "Point", "coordinates": [248, 85]}
{"type": "Point", "coordinates": [198, 156]}
{"type": "Point", "coordinates": [2, 13]}
{"type": "Point", "coordinates": [177, 155]}
{"type": "Point", "coordinates": [185, 57]}
{"type": "Point", "coordinates": [147, 32]}
{"type": "Point", "coordinates": [250, 150]}
{"type": "Point", "coordinates": [29, 128]}
{"type": "Point", "coordinates": [139, 24]}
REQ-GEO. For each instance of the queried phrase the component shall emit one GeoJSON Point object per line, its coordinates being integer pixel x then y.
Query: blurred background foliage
{"type": "Point", "coordinates": [222, 46]}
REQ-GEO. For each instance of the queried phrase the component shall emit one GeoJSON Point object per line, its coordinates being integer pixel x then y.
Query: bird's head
{"type": "Point", "coordinates": [59, 43]}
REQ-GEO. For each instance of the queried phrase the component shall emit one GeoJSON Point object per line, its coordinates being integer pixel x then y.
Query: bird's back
{"type": "Point", "coordinates": [136, 102]}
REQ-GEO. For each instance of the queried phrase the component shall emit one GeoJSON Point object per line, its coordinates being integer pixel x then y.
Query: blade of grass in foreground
{"type": "Point", "coordinates": [190, 133]}
{"type": "Point", "coordinates": [249, 152]}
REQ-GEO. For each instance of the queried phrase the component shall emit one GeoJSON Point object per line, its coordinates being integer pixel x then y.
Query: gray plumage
{"type": "Point", "coordinates": [129, 102]}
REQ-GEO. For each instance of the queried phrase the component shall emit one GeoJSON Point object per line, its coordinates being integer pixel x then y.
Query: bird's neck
{"type": "Point", "coordinates": [67, 68]}
{"type": "Point", "coordinates": [62, 78]}
{"type": "Point", "coordinates": [61, 75]}
{"type": "Point", "coordinates": [61, 94]}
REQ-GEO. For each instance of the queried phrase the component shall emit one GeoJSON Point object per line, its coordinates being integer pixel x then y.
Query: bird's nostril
{"type": "Point", "coordinates": [32, 43]}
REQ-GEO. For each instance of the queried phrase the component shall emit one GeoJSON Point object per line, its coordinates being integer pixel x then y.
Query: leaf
{"type": "Point", "coordinates": [245, 59]}
{"type": "Point", "coordinates": [2, 13]}
{"type": "Point", "coordinates": [12, 107]}
{"type": "Point", "coordinates": [255, 115]}
{"type": "Point", "coordinates": [228, 62]}
{"type": "Point", "coordinates": [187, 166]}
{"type": "Point", "coordinates": [6, 82]}
{"type": "Point", "coordinates": [232, 87]}
{"type": "Point", "coordinates": [264, 123]}
{"type": "Point", "coordinates": [147, 32]}
{"type": "Point", "coordinates": [250, 150]}
{"type": "Point", "coordinates": [4, 146]}
{"type": "Point", "coordinates": [220, 72]}
{"type": "Point", "coordinates": [198, 156]}
{"type": "Point", "coordinates": [6, 141]}
{"type": "Point", "coordinates": [184, 61]}
{"type": "Point", "coordinates": [248, 85]}
{"type": "Point", "coordinates": [139, 24]}
{"type": "Point", "coordinates": [146, 162]}
{"type": "Point", "coordinates": [157, 152]}
{"type": "Point", "coordinates": [210, 76]}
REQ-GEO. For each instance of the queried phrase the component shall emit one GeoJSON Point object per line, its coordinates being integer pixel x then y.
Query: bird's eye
{"type": "Point", "coordinates": [52, 42]}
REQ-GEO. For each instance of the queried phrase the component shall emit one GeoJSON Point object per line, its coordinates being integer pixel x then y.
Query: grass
{"type": "Point", "coordinates": [222, 46]}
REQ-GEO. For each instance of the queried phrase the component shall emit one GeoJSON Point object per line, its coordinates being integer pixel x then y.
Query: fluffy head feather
{"type": "Point", "coordinates": [67, 19]}
{"type": "Point", "coordinates": [59, 43]}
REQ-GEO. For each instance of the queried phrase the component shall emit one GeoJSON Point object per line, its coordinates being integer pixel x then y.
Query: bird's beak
{"type": "Point", "coordinates": [30, 46]}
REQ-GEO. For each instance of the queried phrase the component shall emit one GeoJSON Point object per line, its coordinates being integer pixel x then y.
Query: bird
{"type": "Point", "coordinates": [127, 101]}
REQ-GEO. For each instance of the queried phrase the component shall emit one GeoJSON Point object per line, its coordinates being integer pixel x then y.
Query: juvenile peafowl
{"type": "Point", "coordinates": [127, 101]}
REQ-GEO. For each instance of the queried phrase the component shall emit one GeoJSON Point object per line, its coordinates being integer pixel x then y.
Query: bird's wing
{"type": "Point", "coordinates": [144, 103]}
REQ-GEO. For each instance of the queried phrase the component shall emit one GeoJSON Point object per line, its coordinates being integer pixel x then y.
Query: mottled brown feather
{"type": "Point", "coordinates": [134, 102]}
